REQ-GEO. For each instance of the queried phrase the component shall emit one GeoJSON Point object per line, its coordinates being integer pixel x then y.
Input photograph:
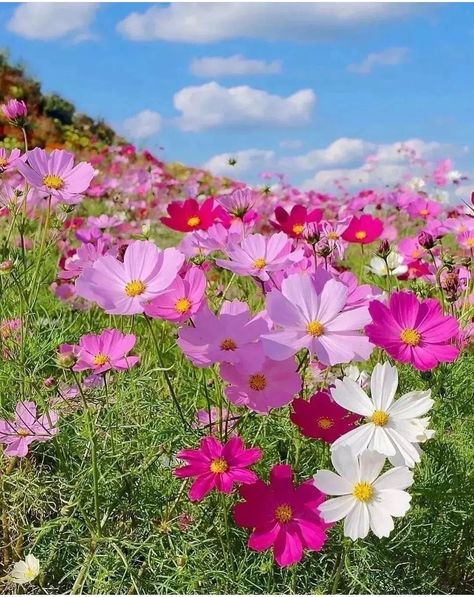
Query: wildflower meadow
{"type": "Point", "coordinates": [213, 387]}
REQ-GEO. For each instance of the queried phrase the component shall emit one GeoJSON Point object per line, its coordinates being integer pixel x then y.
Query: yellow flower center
{"type": "Point", "coordinates": [219, 466]}
{"type": "Point", "coordinates": [194, 221]}
{"type": "Point", "coordinates": [410, 337]}
{"type": "Point", "coordinates": [380, 418]}
{"type": "Point", "coordinates": [315, 328]}
{"type": "Point", "coordinates": [135, 288]}
{"type": "Point", "coordinates": [325, 423]}
{"type": "Point", "coordinates": [52, 181]}
{"type": "Point", "coordinates": [3, 162]}
{"type": "Point", "coordinates": [363, 491]}
{"type": "Point", "coordinates": [470, 242]}
{"type": "Point", "coordinates": [424, 212]}
{"type": "Point", "coordinates": [260, 263]}
{"type": "Point", "coordinates": [298, 228]}
{"type": "Point", "coordinates": [333, 236]}
{"type": "Point", "coordinates": [284, 513]}
{"type": "Point", "coordinates": [100, 359]}
{"type": "Point", "coordinates": [182, 305]}
{"type": "Point", "coordinates": [361, 234]}
{"type": "Point", "coordinates": [258, 382]}
{"type": "Point", "coordinates": [228, 344]}
{"type": "Point", "coordinates": [22, 432]}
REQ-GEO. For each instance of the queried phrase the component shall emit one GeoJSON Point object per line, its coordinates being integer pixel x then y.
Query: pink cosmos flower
{"type": "Point", "coordinates": [410, 248]}
{"type": "Point", "coordinates": [363, 230]}
{"type": "Point", "coordinates": [282, 515]}
{"type": "Point", "coordinates": [261, 383]}
{"type": "Point", "coordinates": [466, 240]}
{"type": "Point", "coordinates": [293, 223]}
{"type": "Point", "coordinates": [183, 298]}
{"type": "Point", "coordinates": [413, 331]}
{"type": "Point", "coordinates": [125, 288]}
{"type": "Point", "coordinates": [217, 465]}
{"type": "Point", "coordinates": [15, 111]}
{"type": "Point", "coordinates": [56, 175]}
{"type": "Point", "coordinates": [26, 429]}
{"type": "Point", "coordinates": [312, 312]}
{"type": "Point", "coordinates": [239, 202]}
{"type": "Point", "coordinates": [84, 258]}
{"type": "Point", "coordinates": [223, 338]}
{"type": "Point", "coordinates": [189, 215]}
{"type": "Point", "coordinates": [322, 418]}
{"type": "Point", "coordinates": [259, 255]}
{"type": "Point", "coordinates": [423, 208]}
{"type": "Point", "coordinates": [9, 162]}
{"type": "Point", "coordinates": [105, 351]}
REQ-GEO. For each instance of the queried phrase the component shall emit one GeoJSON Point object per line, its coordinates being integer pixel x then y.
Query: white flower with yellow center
{"type": "Point", "coordinates": [366, 500]}
{"type": "Point", "coordinates": [394, 265]}
{"type": "Point", "coordinates": [393, 428]}
{"type": "Point", "coordinates": [26, 570]}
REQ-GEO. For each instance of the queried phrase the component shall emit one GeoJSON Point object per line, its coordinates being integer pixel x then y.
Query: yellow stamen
{"type": "Point", "coordinates": [470, 242]}
{"type": "Point", "coordinates": [410, 337]}
{"type": "Point", "coordinates": [325, 423]}
{"type": "Point", "coordinates": [315, 328]}
{"type": "Point", "coordinates": [3, 163]}
{"type": "Point", "coordinates": [182, 305]}
{"type": "Point", "coordinates": [219, 466]}
{"type": "Point", "coordinates": [22, 432]}
{"type": "Point", "coordinates": [258, 382]}
{"type": "Point", "coordinates": [363, 491]}
{"type": "Point", "coordinates": [260, 263]}
{"type": "Point", "coordinates": [361, 234]}
{"type": "Point", "coordinates": [380, 418]}
{"type": "Point", "coordinates": [424, 212]}
{"type": "Point", "coordinates": [228, 344]}
{"type": "Point", "coordinates": [333, 235]}
{"type": "Point", "coordinates": [194, 221]}
{"type": "Point", "coordinates": [298, 228]}
{"type": "Point", "coordinates": [135, 288]}
{"type": "Point", "coordinates": [100, 359]}
{"type": "Point", "coordinates": [52, 181]}
{"type": "Point", "coordinates": [284, 513]}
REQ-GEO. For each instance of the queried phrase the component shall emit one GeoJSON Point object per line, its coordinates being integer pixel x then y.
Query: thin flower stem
{"type": "Point", "coordinates": [39, 263]}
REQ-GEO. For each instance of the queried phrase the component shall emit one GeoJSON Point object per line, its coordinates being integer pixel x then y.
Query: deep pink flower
{"type": "Point", "coordinates": [322, 418]}
{"type": "Point", "coordinates": [124, 288]}
{"type": "Point", "coordinates": [15, 111]}
{"type": "Point", "coordinates": [189, 215]}
{"type": "Point", "coordinates": [283, 515]}
{"type": "Point", "coordinates": [293, 223]}
{"type": "Point", "coordinates": [26, 429]}
{"type": "Point", "coordinates": [105, 351]}
{"type": "Point", "coordinates": [183, 298]}
{"type": "Point", "coordinates": [413, 331]}
{"type": "Point", "coordinates": [363, 230]}
{"type": "Point", "coordinates": [56, 175]}
{"type": "Point", "coordinates": [312, 312]}
{"type": "Point", "coordinates": [217, 465]}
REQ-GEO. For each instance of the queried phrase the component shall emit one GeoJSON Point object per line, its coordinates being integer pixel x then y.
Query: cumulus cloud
{"type": "Point", "coordinates": [341, 151]}
{"type": "Point", "coordinates": [249, 162]}
{"type": "Point", "coordinates": [388, 57]}
{"type": "Point", "coordinates": [51, 20]}
{"type": "Point", "coordinates": [193, 22]}
{"type": "Point", "coordinates": [143, 125]}
{"type": "Point", "coordinates": [236, 65]}
{"type": "Point", "coordinates": [213, 106]}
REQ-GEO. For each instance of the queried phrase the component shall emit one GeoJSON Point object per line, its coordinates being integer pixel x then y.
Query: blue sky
{"type": "Point", "coordinates": [413, 79]}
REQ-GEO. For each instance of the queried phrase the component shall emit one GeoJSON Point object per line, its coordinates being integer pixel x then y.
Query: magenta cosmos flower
{"type": "Point", "coordinates": [26, 429]}
{"type": "Point", "coordinates": [413, 331]}
{"type": "Point", "coordinates": [283, 515]}
{"type": "Point", "coordinates": [105, 351]}
{"type": "Point", "coordinates": [182, 299]}
{"type": "Point", "coordinates": [312, 315]}
{"type": "Point", "coordinates": [260, 255]}
{"type": "Point", "coordinates": [363, 230]}
{"type": "Point", "coordinates": [322, 418]}
{"type": "Point", "coordinates": [261, 383]}
{"type": "Point", "coordinates": [15, 111]}
{"type": "Point", "coordinates": [56, 175]}
{"type": "Point", "coordinates": [218, 466]}
{"type": "Point", "coordinates": [125, 288]}
{"type": "Point", "coordinates": [223, 338]}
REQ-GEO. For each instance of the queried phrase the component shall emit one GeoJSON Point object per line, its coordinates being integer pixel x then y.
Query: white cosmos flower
{"type": "Point", "coordinates": [25, 570]}
{"type": "Point", "coordinates": [395, 264]}
{"type": "Point", "coordinates": [366, 500]}
{"type": "Point", "coordinates": [393, 428]}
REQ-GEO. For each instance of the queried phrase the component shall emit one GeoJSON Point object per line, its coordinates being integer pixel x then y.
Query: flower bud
{"type": "Point", "coordinates": [384, 249]}
{"type": "Point", "coordinates": [15, 112]}
{"type": "Point", "coordinates": [323, 248]}
{"type": "Point", "coordinates": [6, 267]}
{"type": "Point", "coordinates": [66, 357]}
{"type": "Point", "coordinates": [426, 240]}
{"type": "Point", "coordinates": [311, 233]}
{"type": "Point", "coordinates": [49, 382]}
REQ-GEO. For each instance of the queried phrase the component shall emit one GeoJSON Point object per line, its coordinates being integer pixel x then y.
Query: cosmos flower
{"type": "Point", "coordinates": [322, 418]}
{"type": "Point", "coordinates": [124, 288]}
{"type": "Point", "coordinates": [293, 223]}
{"type": "Point", "coordinates": [106, 351]}
{"type": "Point", "coordinates": [218, 466]}
{"type": "Point", "coordinates": [25, 570]}
{"type": "Point", "coordinates": [56, 175]}
{"type": "Point", "coordinates": [26, 429]}
{"type": "Point", "coordinates": [310, 309]}
{"type": "Point", "coordinates": [189, 215]}
{"type": "Point", "coordinates": [393, 427]}
{"type": "Point", "coordinates": [15, 111]}
{"type": "Point", "coordinates": [283, 516]}
{"type": "Point", "coordinates": [363, 230]}
{"type": "Point", "coordinates": [366, 501]}
{"type": "Point", "coordinates": [394, 265]}
{"type": "Point", "coordinates": [424, 208]}
{"type": "Point", "coordinates": [8, 161]}
{"type": "Point", "coordinates": [239, 202]}
{"type": "Point", "coordinates": [413, 331]}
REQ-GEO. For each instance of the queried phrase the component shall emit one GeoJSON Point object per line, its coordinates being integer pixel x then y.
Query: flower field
{"type": "Point", "coordinates": [207, 387]}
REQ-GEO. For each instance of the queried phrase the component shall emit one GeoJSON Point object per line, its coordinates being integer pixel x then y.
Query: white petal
{"type": "Point", "coordinates": [395, 501]}
{"type": "Point", "coordinates": [331, 484]}
{"type": "Point", "coordinates": [371, 464]}
{"type": "Point", "coordinates": [411, 405]}
{"type": "Point", "coordinates": [356, 524]}
{"type": "Point", "coordinates": [346, 463]}
{"type": "Point", "coordinates": [381, 442]}
{"type": "Point", "coordinates": [399, 477]}
{"type": "Point", "coordinates": [337, 508]}
{"type": "Point", "coordinates": [383, 385]}
{"type": "Point", "coordinates": [381, 522]}
{"type": "Point", "coordinates": [357, 439]}
{"type": "Point", "coordinates": [350, 395]}
{"type": "Point", "coordinates": [406, 449]}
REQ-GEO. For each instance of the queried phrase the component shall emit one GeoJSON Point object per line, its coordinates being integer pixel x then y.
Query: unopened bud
{"type": "Point", "coordinates": [66, 357]}
{"type": "Point", "coordinates": [6, 266]}
{"type": "Point", "coordinates": [311, 233]}
{"type": "Point", "coordinates": [15, 112]}
{"type": "Point", "coordinates": [426, 240]}
{"type": "Point", "coordinates": [323, 248]}
{"type": "Point", "coordinates": [49, 382]}
{"type": "Point", "coordinates": [384, 249]}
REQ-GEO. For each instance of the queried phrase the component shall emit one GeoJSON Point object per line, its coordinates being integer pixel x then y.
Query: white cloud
{"type": "Point", "coordinates": [341, 151]}
{"type": "Point", "coordinates": [385, 174]}
{"type": "Point", "coordinates": [236, 65]}
{"type": "Point", "coordinates": [143, 125]}
{"type": "Point", "coordinates": [291, 144]}
{"type": "Point", "coordinates": [388, 57]}
{"type": "Point", "coordinates": [51, 20]}
{"type": "Point", "coordinates": [249, 162]}
{"type": "Point", "coordinates": [212, 106]}
{"type": "Point", "coordinates": [204, 23]}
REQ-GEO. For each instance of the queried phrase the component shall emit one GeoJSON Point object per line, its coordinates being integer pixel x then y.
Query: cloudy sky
{"type": "Point", "coordinates": [312, 90]}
